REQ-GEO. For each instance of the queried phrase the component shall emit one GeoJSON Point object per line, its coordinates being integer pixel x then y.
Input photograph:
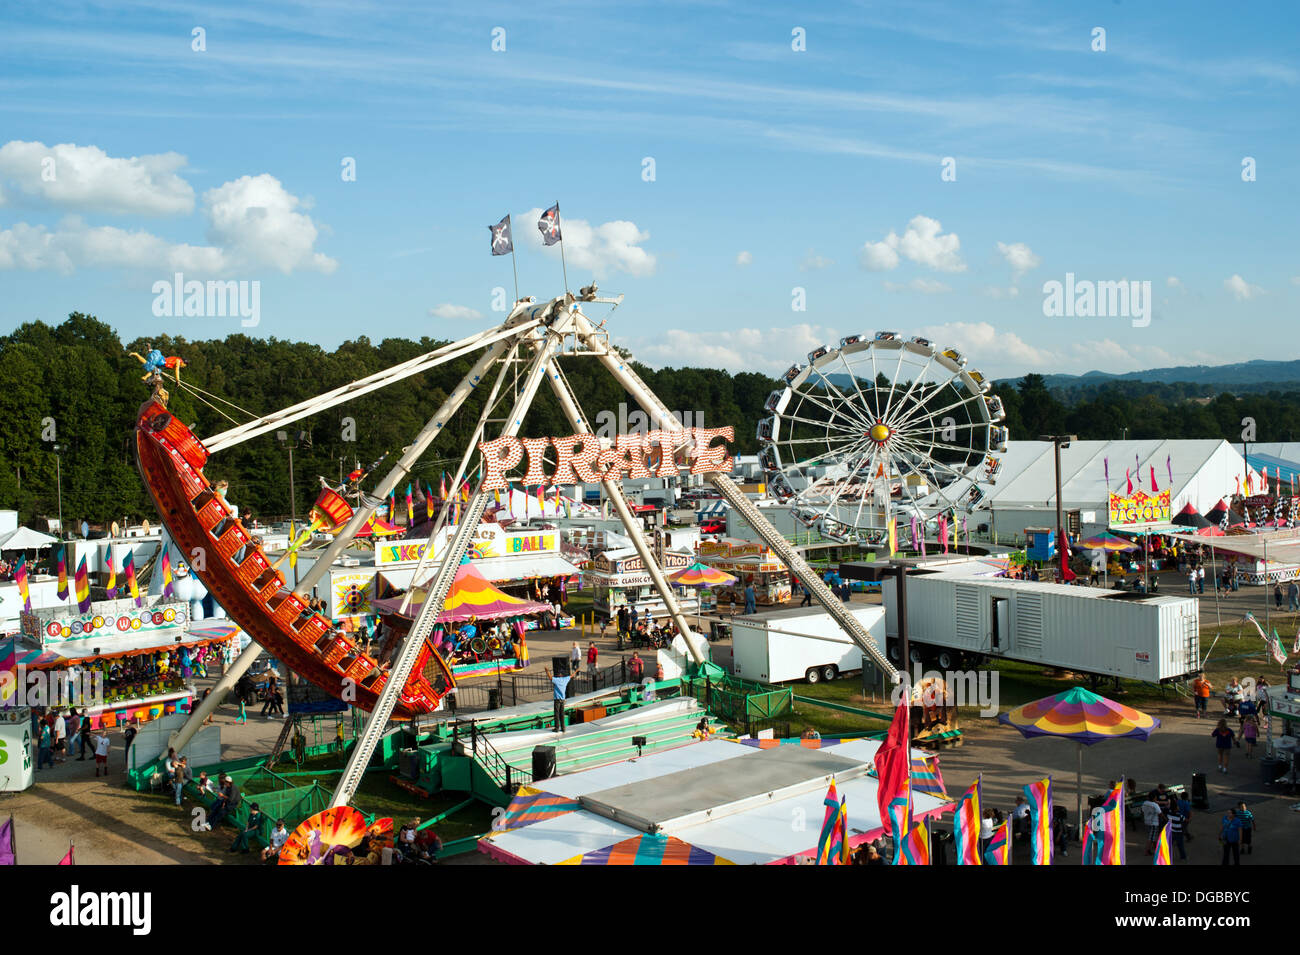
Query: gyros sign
{"type": "Point", "coordinates": [589, 459]}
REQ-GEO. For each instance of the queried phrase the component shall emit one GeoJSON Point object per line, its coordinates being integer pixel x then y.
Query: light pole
{"type": "Point", "coordinates": [301, 439]}
{"type": "Point", "coordinates": [1060, 441]}
{"type": "Point", "coordinates": [58, 470]}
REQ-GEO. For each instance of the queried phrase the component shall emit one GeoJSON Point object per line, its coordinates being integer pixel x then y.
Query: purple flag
{"type": "Point", "coordinates": [8, 856]}
{"type": "Point", "coordinates": [1169, 465]}
{"type": "Point", "coordinates": [1105, 463]}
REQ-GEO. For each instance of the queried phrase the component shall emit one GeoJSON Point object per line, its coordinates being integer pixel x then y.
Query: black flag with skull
{"type": "Point", "coordinates": [549, 225]}
{"type": "Point", "coordinates": [502, 243]}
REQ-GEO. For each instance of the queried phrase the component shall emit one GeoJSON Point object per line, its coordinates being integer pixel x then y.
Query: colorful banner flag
{"type": "Point", "coordinates": [999, 850]}
{"type": "Point", "coordinates": [831, 846]}
{"type": "Point", "coordinates": [442, 487]}
{"type": "Point", "coordinates": [464, 490]}
{"type": "Point", "coordinates": [1275, 647]}
{"type": "Point", "coordinates": [410, 506]}
{"type": "Point", "coordinates": [966, 826]}
{"type": "Point", "coordinates": [893, 536]}
{"type": "Point", "coordinates": [1039, 795]}
{"type": "Point", "coordinates": [1104, 842]}
{"type": "Point", "coordinates": [112, 575]}
{"type": "Point", "coordinates": [1128, 477]}
{"type": "Point", "coordinates": [1162, 848]}
{"type": "Point", "coordinates": [1154, 489]}
{"type": "Point", "coordinates": [82, 582]}
{"type": "Point", "coordinates": [63, 572]}
{"type": "Point", "coordinates": [8, 852]}
{"type": "Point", "coordinates": [541, 500]}
{"type": "Point", "coordinates": [893, 774]}
{"type": "Point", "coordinates": [8, 664]}
{"type": "Point", "coordinates": [68, 859]}
{"type": "Point", "coordinates": [1262, 635]}
{"type": "Point", "coordinates": [128, 568]}
{"type": "Point", "coordinates": [926, 777]}
{"type": "Point", "coordinates": [24, 588]}
{"type": "Point", "coordinates": [915, 848]}
{"type": "Point", "coordinates": [943, 531]}
{"type": "Point", "coordinates": [168, 582]}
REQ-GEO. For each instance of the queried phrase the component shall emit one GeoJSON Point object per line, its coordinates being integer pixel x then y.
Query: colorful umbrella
{"type": "Point", "coordinates": [1084, 717]}
{"type": "Point", "coordinates": [1107, 541]}
{"type": "Point", "coordinates": [701, 575]}
{"type": "Point", "coordinates": [648, 850]}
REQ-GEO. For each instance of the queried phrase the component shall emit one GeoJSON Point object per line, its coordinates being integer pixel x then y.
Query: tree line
{"type": "Point", "coordinates": [76, 388]}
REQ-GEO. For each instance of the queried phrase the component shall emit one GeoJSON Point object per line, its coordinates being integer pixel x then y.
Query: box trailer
{"type": "Point", "coordinates": [953, 622]}
{"type": "Point", "coordinates": [799, 644]}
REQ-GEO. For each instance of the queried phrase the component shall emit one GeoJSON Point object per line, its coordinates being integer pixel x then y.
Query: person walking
{"type": "Point", "coordinates": [60, 737]}
{"type": "Point", "coordinates": [751, 598]}
{"type": "Point", "coordinates": [1293, 596]}
{"type": "Point", "coordinates": [636, 667]}
{"type": "Point", "coordinates": [1191, 580]}
{"type": "Point", "coordinates": [592, 653]}
{"type": "Point", "coordinates": [1151, 819]}
{"type": "Point", "coordinates": [1200, 579]}
{"type": "Point", "coordinates": [45, 747]}
{"type": "Point", "coordinates": [807, 595]}
{"type": "Point", "coordinates": [102, 744]}
{"type": "Point", "coordinates": [1223, 738]}
{"type": "Point", "coordinates": [1250, 733]}
{"type": "Point", "coordinates": [1277, 595]}
{"type": "Point", "coordinates": [83, 736]}
{"type": "Point", "coordinates": [1176, 822]}
{"type": "Point", "coordinates": [1201, 688]}
{"type": "Point", "coordinates": [622, 625]}
{"type": "Point", "coordinates": [1230, 837]}
{"type": "Point", "coordinates": [575, 659]}
{"type": "Point", "coordinates": [178, 779]}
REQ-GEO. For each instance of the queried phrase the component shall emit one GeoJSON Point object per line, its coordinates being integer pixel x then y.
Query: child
{"type": "Point", "coordinates": [102, 743]}
{"type": "Point", "coordinates": [1246, 818]}
{"type": "Point", "coordinates": [1250, 733]}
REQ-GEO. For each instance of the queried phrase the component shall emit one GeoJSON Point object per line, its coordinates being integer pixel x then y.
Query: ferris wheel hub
{"type": "Point", "coordinates": [879, 432]}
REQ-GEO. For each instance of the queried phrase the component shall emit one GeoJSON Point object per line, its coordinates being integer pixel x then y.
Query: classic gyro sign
{"type": "Point", "coordinates": [589, 459]}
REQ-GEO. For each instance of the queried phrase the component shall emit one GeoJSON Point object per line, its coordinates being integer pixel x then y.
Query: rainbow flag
{"type": "Point", "coordinates": [999, 850]}
{"type": "Point", "coordinates": [169, 586]}
{"type": "Point", "coordinates": [63, 572]}
{"type": "Point", "coordinates": [1104, 844]}
{"type": "Point", "coordinates": [410, 506]}
{"type": "Point", "coordinates": [831, 845]}
{"type": "Point", "coordinates": [112, 576]}
{"type": "Point", "coordinates": [926, 777]}
{"type": "Point", "coordinates": [899, 815]}
{"type": "Point", "coordinates": [9, 664]}
{"type": "Point", "coordinates": [1162, 848]}
{"type": "Point", "coordinates": [442, 487]}
{"type": "Point", "coordinates": [82, 582]}
{"type": "Point", "coordinates": [966, 826]}
{"type": "Point", "coordinates": [541, 499]}
{"type": "Point", "coordinates": [893, 536]}
{"type": "Point", "coordinates": [1039, 795]}
{"type": "Point", "coordinates": [464, 490]}
{"type": "Point", "coordinates": [915, 847]}
{"type": "Point", "coordinates": [128, 568]}
{"type": "Point", "coordinates": [455, 514]}
{"type": "Point", "coordinates": [24, 589]}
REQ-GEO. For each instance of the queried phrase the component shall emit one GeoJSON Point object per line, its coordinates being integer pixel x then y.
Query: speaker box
{"type": "Point", "coordinates": [559, 666]}
{"type": "Point", "coordinates": [543, 762]}
{"type": "Point", "coordinates": [1200, 797]}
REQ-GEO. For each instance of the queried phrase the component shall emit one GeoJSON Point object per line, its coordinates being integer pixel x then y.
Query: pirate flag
{"type": "Point", "coordinates": [502, 244]}
{"type": "Point", "coordinates": [549, 225]}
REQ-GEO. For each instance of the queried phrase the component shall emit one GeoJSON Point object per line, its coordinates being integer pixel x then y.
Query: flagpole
{"type": "Point", "coordinates": [514, 268]}
{"type": "Point", "coordinates": [563, 267]}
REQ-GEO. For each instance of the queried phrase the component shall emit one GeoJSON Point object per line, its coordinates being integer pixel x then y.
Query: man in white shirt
{"type": "Point", "coordinates": [1020, 817]}
{"type": "Point", "coordinates": [102, 743]}
{"type": "Point", "coordinates": [279, 836]}
{"type": "Point", "coordinates": [1151, 819]}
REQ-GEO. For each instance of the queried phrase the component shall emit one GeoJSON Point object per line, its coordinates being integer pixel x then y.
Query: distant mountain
{"type": "Point", "coordinates": [1258, 375]}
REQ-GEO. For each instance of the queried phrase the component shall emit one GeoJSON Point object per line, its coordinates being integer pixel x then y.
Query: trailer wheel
{"type": "Point", "coordinates": [813, 676]}
{"type": "Point", "coordinates": [829, 673]}
{"type": "Point", "coordinates": [915, 654]}
{"type": "Point", "coordinates": [946, 660]}
{"type": "Point", "coordinates": [895, 654]}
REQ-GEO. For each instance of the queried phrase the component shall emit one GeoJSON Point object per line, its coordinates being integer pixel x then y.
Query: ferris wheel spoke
{"type": "Point", "coordinates": [813, 422]}
{"type": "Point", "coordinates": [928, 391]}
{"type": "Point", "coordinates": [817, 459]}
{"type": "Point", "coordinates": [923, 405]}
{"type": "Point", "coordinates": [834, 412]}
{"type": "Point", "coordinates": [918, 379]}
{"type": "Point", "coordinates": [853, 375]}
{"type": "Point", "coordinates": [847, 408]}
{"type": "Point", "coordinates": [920, 376]}
{"type": "Point", "coordinates": [933, 413]}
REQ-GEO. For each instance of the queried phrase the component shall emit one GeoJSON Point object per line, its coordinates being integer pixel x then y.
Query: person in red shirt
{"type": "Point", "coordinates": [591, 657]}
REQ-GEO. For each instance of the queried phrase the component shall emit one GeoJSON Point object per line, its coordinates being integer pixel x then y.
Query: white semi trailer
{"type": "Point", "coordinates": [954, 622]}
{"type": "Point", "coordinates": [800, 644]}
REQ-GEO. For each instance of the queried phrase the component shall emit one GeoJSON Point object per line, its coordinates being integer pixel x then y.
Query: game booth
{"type": "Point", "coordinates": [146, 656]}
{"type": "Point", "coordinates": [750, 562]}
{"type": "Point", "coordinates": [618, 578]}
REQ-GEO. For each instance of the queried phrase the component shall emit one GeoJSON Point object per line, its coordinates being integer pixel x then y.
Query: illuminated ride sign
{"type": "Point", "coordinates": [1140, 509]}
{"type": "Point", "coordinates": [589, 459]}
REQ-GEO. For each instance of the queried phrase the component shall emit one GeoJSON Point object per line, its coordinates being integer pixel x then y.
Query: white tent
{"type": "Point", "coordinates": [24, 538]}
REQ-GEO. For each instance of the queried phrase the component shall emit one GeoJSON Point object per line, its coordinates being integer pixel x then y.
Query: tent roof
{"type": "Point", "coordinates": [24, 538]}
{"type": "Point", "coordinates": [471, 595]}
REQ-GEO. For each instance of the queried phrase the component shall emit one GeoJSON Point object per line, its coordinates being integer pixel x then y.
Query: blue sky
{"type": "Point", "coordinates": [774, 169]}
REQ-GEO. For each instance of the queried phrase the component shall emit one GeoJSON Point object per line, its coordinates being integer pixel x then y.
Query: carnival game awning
{"type": "Point", "coordinates": [69, 652]}
{"type": "Point", "coordinates": [471, 595]}
{"type": "Point", "coordinates": [506, 569]}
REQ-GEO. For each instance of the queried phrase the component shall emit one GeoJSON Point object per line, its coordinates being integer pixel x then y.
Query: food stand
{"type": "Point", "coordinates": [618, 578]}
{"type": "Point", "coordinates": [750, 562]}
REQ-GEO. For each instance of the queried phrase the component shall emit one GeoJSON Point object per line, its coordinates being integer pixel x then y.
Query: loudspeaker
{"type": "Point", "coordinates": [559, 666]}
{"type": "Point", "coordinates": [543, 762]}
{"type": "Point", "coordinates": [1200, 798]}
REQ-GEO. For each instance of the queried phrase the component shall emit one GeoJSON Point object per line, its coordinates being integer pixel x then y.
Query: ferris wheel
{"type": "Point", "coordinates": [879, 427]}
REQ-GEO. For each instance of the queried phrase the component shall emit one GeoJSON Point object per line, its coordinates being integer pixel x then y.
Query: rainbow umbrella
{"type": "Point", "coordinates": [471, 595]}
{"type": "Point", "coordinates": [651, 849]}
{"type": "Point", "coordinates": [1083, 716]}
{"type": "Point", "coordinates": [1107, 541]}
{"type": "Point", "coordinates": [701, 577]}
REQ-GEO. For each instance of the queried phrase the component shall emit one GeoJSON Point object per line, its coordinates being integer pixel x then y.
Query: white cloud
{"type": "Point", "coordinates": [996, 291]}
{"type": "Point", "coordinates": [924, 286]}
{"type": "Point", "coordinates": [1295, 279]}
{"type": "Point", "coordinates": [253, 223]}
{"type": "Point", "coordinates": [813, 262]}
{"type": "Point", "coordinates": [613, 246]}
{"type": "Point", "coordinates": [1241, 289]}
{"type": "Point", "coordinates": [922, 243]}
{"type": "Point", "coordinates": [770, 350]}
{"type": "Point", "coordinates": [447, 310]}
{"type": "Point", "coordinates": [981, 341]}
{"type": "Point", "coordinates": [1175, 282]}
{"type": "Point", "coordinates": [1020, 257]}
{"type": "Point", "coordinates": [87, 179]}
{"type": "Point", "coordinates": [257, 221]}
{"type": "Point", "coordinates": [744, 258]}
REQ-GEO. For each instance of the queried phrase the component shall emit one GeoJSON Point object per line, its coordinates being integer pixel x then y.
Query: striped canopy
{"type": "Point", "coordinates": [1107, 541]}
{"type": "Point", "coordinates": [648, 850]}
{"type": "Point", "coordinates": [471, 595]}
{"type": "Point", "coordinates": [1080, 715]}
{"type": "Point", "coordinates": [795, 741]}
{"type": "Point", "coordinates": [701, 575]}
{"type": "Point", "coordinates": [533, 805]}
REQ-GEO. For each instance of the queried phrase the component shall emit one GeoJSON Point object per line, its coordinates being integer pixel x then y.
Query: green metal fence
{"type": "Point", "coordinates": [739, 701]}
